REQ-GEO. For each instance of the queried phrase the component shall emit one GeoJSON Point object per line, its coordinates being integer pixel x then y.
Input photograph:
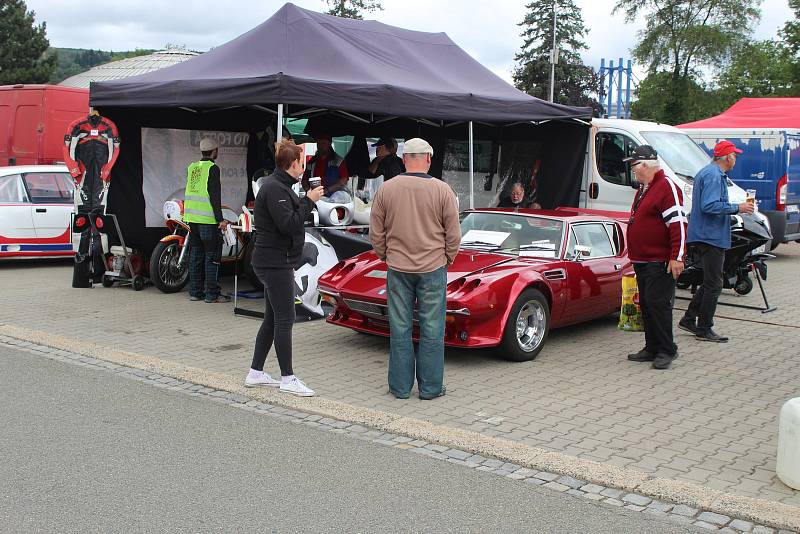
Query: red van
{"type": "Point", "coordinates": [34, 119]}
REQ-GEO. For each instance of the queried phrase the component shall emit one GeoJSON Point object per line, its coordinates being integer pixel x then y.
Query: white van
{"type": "Point", "coordinates": [608, 182]}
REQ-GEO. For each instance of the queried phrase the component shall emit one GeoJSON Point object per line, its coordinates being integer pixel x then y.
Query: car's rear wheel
{"type": "Point", "coordinates": [527, 327]}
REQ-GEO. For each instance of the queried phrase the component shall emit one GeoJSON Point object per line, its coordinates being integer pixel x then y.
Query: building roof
{"type": "Point", "coordinates": [132, 66]}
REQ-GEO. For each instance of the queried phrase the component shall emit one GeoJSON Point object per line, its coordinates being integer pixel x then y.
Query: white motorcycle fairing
{"type": "Point", "coordinates": [317, 258]}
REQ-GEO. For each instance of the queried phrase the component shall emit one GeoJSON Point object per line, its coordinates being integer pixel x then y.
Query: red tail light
{"type": "Point", "coordinates": [780, 193]}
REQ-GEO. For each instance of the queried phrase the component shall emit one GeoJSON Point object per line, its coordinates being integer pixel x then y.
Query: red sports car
{"type": "Point", "coordinates": [518, 274]}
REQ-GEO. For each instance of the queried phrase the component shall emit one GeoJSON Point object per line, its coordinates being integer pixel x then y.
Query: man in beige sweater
{"type": "Point", "coordinates": [414, 228]}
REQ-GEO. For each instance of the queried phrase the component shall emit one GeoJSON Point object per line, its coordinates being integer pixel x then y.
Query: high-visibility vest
{"type": "Point", "coordinates": [196, 202]}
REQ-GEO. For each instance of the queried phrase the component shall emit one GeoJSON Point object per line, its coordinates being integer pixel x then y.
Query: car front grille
{"type": "Point", "coordinates": [372, 310]}
{"type": "Point", "coordinates": [367, 309]}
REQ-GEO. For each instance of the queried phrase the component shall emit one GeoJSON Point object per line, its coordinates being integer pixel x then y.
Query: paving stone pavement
{"type": "Point", "coordinates": [711, 420]}
{"type": "Point", "coordinates": [565, 484]}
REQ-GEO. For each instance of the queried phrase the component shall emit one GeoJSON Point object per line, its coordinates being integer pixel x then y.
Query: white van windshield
{"type": "Point", "coordinates": [679, 152]}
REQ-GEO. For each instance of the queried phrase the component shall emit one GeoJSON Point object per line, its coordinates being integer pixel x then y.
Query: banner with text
{"type": "Point", "coordinates": [166, 154]}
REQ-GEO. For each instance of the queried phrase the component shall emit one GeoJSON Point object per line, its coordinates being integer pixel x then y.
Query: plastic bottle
{"type": "Point", "coordinates": [788, 462]}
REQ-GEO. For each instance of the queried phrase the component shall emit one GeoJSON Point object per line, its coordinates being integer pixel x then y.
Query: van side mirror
{"type": "Point", "coordinates": [581, 252]}
{"type": "Point", "coordinates": [631, 178]}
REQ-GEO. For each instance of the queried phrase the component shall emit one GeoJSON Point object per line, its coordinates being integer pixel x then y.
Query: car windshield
{"type": "Point", "coordinates": [679, 152]}
{"type": "Point", "coordinates": [511, 233]}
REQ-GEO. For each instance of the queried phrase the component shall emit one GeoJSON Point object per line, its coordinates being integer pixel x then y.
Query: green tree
{"type": "Point", "coordinates": [575, 83]}
{"type": "Point", "coordinates": [23, 45]}
{"type": "Point", "coordinates": [351, 9]}
{"type": "Point", "coordinates": [654, 99]}
{"type": "Point", "coordinates": [683, 36]}
{"type": "Point", "coordinates": [761, 68]}
{"type": "Point", "coordinates": [791, 30]}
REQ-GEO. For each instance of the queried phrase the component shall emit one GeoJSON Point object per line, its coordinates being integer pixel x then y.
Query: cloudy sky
{"type": "Point", "coordinates": [487, 29]}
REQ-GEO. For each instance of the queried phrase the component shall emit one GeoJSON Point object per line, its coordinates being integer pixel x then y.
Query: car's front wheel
{"type": "Point", "coordinates": [527, 327]}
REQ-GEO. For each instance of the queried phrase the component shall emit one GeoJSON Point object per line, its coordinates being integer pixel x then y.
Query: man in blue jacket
{"type": "Point", "coordinates": [710, 236]}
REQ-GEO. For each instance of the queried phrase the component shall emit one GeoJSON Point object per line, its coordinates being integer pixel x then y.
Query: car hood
{"type": "Point", "coordinates": [368, 279]}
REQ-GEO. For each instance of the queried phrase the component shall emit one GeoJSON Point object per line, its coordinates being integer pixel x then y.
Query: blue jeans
{"type": "Point", "coordinates": [428, 291]}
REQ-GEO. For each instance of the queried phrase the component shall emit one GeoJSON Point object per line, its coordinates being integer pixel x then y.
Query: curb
{"type": "Point", "coordinates": [760, 511]}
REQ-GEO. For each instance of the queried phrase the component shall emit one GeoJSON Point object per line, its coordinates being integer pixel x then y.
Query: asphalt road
{"type": "Point", "coordinates": [83, 450]}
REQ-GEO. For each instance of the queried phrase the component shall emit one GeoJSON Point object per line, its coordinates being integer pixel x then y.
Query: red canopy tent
{"type": "Point", "coordinates": [755, 113]}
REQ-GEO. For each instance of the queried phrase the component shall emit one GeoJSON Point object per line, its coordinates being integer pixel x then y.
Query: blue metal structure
{"type": "Point", "coordinates": [607, 81]}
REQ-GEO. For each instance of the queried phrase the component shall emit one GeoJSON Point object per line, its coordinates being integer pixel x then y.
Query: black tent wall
{"type": "Point", "coordinates": [563, 149]}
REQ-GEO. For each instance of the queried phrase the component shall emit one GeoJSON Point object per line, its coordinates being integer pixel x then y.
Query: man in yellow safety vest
{"type": "Point", "coordinates": [202, 209]}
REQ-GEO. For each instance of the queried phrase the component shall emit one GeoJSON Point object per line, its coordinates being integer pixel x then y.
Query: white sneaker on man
{"type": "Point", "coordinates": [257, 379]}
{"type": "Point", "coordinates": [295, 386]}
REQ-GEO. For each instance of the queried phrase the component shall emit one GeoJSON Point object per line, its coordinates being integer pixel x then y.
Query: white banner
{"type": "Point", "coordinates": [166, 154]}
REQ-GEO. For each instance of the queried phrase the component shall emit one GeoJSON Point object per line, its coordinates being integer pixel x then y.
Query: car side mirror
{"type": "Point", "coordinates": [581, 252]}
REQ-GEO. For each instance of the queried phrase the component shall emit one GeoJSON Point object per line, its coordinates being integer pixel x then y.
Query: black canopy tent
{"type": "Point", "coordinates": [371, 78]}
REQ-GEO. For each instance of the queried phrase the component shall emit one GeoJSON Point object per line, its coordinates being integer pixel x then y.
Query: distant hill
{"type": "Point", "coordinates": [73, 61]}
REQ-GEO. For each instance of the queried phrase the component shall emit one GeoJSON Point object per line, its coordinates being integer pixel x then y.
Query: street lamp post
{"type": "Point", "coordinates": [553, 53]}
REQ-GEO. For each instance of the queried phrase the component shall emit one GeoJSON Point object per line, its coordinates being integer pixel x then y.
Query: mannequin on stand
{"type": "Point", "coordinates": [91, 147]}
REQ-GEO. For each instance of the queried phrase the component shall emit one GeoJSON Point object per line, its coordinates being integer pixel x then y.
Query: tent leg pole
{"type": "Point", "coordinates": [471, 170]}
{"type": "Point", "coordinates": [279, 131]}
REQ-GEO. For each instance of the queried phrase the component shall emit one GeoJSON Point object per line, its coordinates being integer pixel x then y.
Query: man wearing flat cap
{"type": "Point", "coordinates": [386, 162]}
{"type": "Point", "coordinates": [414, 228]}
{"type": "Point", "coordinates": [202, 210]}
{"type": "Point", "coordinates": [709, 237]}
{"type": "Point", "coordinates": [656, 246]}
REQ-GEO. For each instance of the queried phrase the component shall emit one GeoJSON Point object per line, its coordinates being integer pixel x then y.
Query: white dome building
{"type": "Point", "coordinates": [132, 66]}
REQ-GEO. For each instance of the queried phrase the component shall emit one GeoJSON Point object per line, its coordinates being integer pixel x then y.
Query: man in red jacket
{"type": "Point", "coordinates": [656, 246]}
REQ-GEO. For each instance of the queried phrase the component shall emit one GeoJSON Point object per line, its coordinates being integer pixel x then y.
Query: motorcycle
{"type": "Point", "coordinates": [169, 262]}
{"type": "Point", "coordinates": [749, 239]}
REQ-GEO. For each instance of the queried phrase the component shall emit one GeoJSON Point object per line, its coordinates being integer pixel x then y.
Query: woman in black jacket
{"type": "Point", "coordinates": [279, 218]}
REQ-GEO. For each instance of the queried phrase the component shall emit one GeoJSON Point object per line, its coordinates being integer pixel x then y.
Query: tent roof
{"type": "Point", "coordinates": [300, 57]}
{"type": "Point", "coordinates": [755, 113]}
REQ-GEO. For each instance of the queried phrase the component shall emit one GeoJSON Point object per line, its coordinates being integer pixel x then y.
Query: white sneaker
{"type": "Point", "coordinates": [263, 380]}
{"type": "Point", "coordinates": [296, 387]}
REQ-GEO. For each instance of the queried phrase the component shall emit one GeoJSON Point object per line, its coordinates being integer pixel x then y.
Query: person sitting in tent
{"type": "Point", "coordinates": [516, 198]}
{"type": "Point", "coordinates": [386, 162]}
{"type": "Point", "coordinates": [522, 195]}
{"type": "Point", "coordinates": [328, 165]}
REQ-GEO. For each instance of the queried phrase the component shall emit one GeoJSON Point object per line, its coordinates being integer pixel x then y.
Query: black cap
{"type": "Point", "coordinates": [388, 142]}
{"type": "Point", "coordinates": [642, 153]}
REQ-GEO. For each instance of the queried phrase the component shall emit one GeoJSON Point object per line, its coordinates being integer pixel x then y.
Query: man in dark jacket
{"type": "Point", "coordinates": [386, 162]}
{"type": "Point", "coordinates": [709, 236]}
{"type": "Point", "coordinates": [656, 246]}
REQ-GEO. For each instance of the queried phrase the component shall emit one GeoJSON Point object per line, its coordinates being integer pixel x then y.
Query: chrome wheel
{"type": "Point", "coordinates": [168, 269]}
{"type": "Point", "coordinates": [531, 325]}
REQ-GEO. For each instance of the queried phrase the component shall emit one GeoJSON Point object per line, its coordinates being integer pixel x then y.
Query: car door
{"type": "Point", "coordinates": [593, 280]}
{"type": "Point", "coordinates": [612, 190]}
{"type": "Point", "coordinates": [16, 221]}
{"type": "Point", "coordinates": [51, 197]}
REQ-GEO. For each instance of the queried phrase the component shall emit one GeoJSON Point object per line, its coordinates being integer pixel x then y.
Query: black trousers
{"type": "Point", "coordinates": [656, 299]}
{"type": "Point", "coordinates": [279, 315]}
{"type": "Point", "coordinates": [704, 301]}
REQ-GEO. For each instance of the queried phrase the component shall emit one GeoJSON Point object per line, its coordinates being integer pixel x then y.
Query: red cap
{"type": "Point", "coordinates": [723, 148]}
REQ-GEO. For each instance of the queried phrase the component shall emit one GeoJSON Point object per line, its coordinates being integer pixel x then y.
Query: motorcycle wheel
{"type": "Point", "coordinates": [247, 265]}
{"type": "Point", "coordinates": [163, 272]}
{"type": "Point", "coordinates": [744, 285]}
